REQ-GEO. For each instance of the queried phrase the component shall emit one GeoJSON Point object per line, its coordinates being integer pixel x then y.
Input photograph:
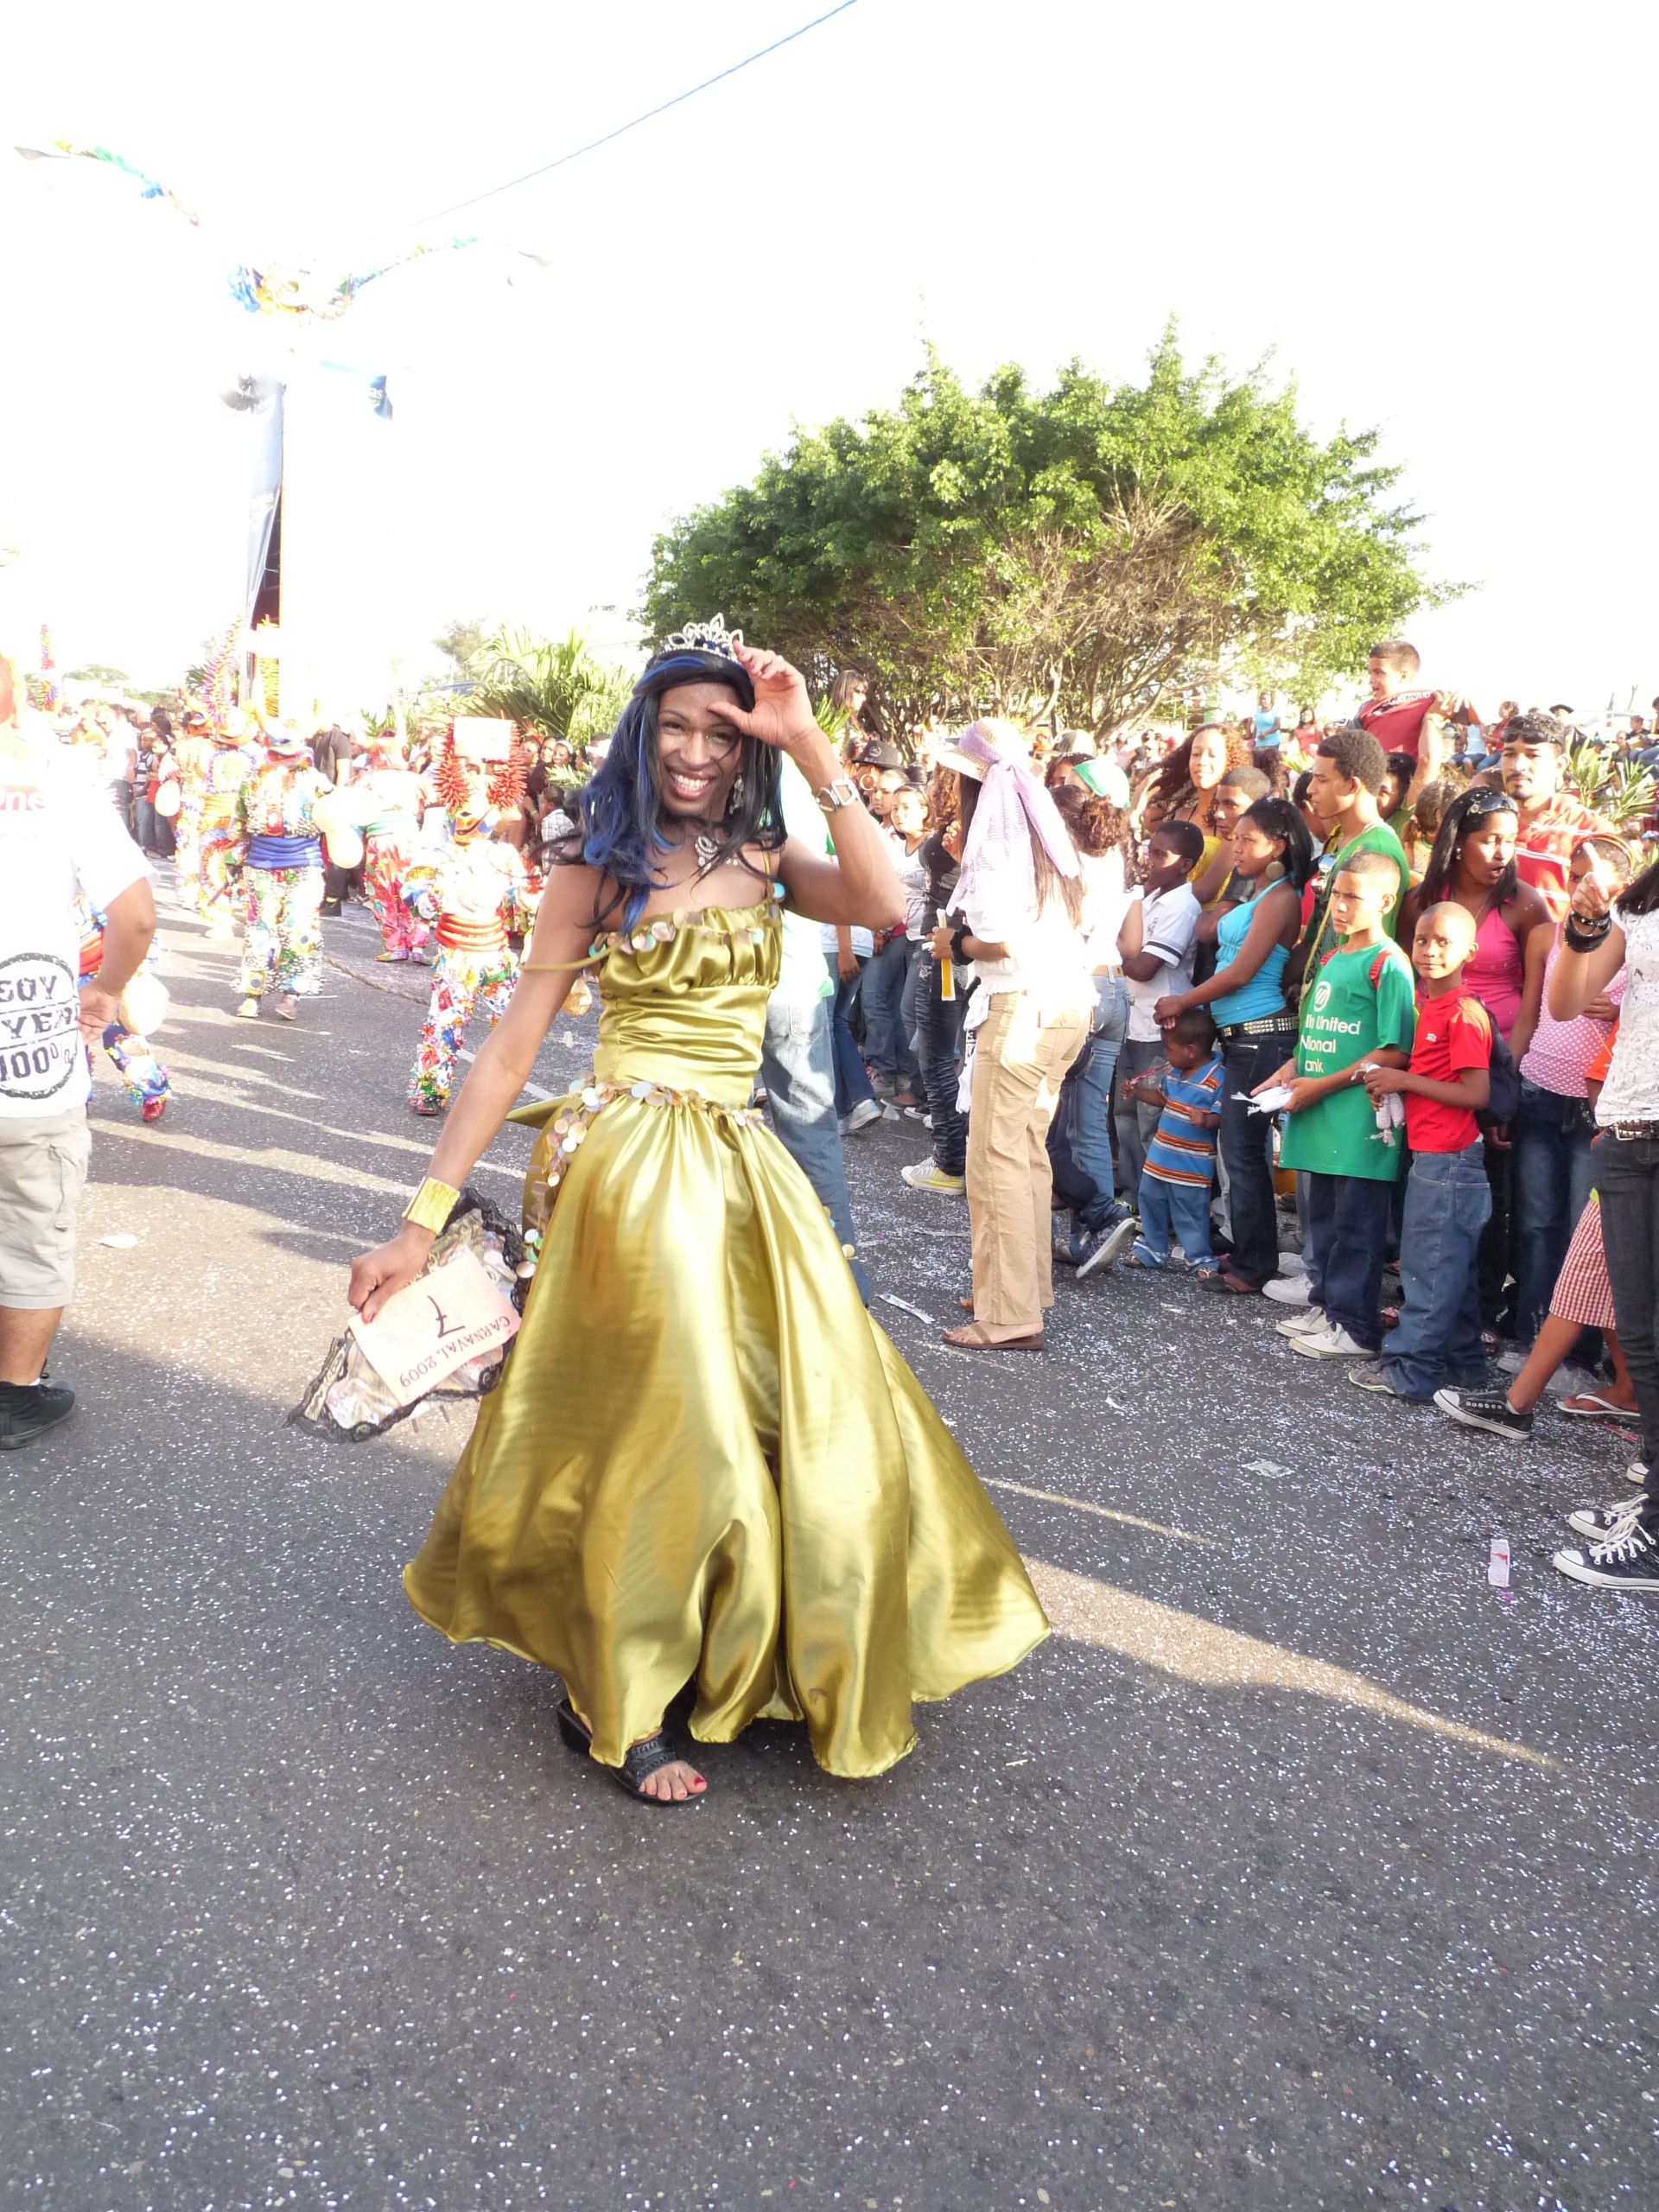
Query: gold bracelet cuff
{"type": "Point", "coordinates": [431, 1206]}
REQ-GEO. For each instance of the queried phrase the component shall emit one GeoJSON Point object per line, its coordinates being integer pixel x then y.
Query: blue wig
{"type": "Point", "coordinates": [624, 822]}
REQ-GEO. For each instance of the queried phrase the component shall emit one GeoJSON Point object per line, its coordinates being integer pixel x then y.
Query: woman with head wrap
{"type": "Point", "coordinates": [750, 1493]}
{"type": "Point", "coordinates": [1019, 903]}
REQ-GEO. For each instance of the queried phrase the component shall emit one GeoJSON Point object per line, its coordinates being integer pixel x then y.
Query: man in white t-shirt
{"type": "Point", "coordinates": [55, 840]}
{"type": "Point", "coordinates": [1155, 944]}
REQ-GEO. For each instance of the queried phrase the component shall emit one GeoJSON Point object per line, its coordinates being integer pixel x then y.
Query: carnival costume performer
{"type": "Point", "coordinates": [391, 835]}
{"type": "Point", "coordinates": [191, 754]}
{"type": "Point", "coordinates": [231, 759]}
{"type": "Point", "coordinates": [475, 894]}
{"type": "Point", "coordinates": [279, 845]}
{"type": "Point", "coordinates": [148, 1084]}
{"type": "Point", "coordinates": [704, 1464]}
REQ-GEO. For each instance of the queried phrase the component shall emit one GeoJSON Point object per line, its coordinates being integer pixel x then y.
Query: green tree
{"type": "Point", "coordinates": [1083, 552]}
{"type": "Point", "coordinates": [462, 641]}
{"type": "Point", "coordinates": [555, 686]}
{"type": "Point", "coordinates": [95, 672]}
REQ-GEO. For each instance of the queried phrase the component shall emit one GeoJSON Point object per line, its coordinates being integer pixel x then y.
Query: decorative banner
{"type": "Point", "coordinates": [217, 689]}
{"type": "Point", "coordinates": [66, 150]}
{"type": "Point", "coordinates": [303, 292]}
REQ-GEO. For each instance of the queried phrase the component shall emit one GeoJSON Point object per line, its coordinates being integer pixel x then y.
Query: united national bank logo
{"type": "Point", "coordinates": [1321, 994]}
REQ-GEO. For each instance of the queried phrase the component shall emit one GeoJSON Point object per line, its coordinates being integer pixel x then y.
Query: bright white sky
{"type": "Point", "coordinates": [1436, 218]}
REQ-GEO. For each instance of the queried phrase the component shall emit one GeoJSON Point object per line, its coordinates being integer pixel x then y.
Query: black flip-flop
{"type": "Point", "coordinates": [640, 1761]}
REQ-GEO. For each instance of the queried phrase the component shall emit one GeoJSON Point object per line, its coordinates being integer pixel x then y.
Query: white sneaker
{"type": "Point", "coordinates": [1286, 1290]}
{"type": "Point", "coordinates": [866, 1111]}
{"type": "Point", "coordinates": [1637, 1472]}
{"type": "Point", "coordinates": [1332, 1342]}
{"type": "Point", "coordinates": [1302, 1324]}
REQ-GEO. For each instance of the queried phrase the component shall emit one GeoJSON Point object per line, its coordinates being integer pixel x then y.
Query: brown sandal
{"type": "Point", "coordinates": [958, 1341]}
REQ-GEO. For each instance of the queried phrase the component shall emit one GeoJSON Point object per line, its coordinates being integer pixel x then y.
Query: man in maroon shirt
{"type": "Point", "coordinates": [1404, 721]}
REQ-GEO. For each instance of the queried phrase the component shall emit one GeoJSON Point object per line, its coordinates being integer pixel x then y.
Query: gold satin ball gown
{"type": "Point", "coordinates": [705, 1460]}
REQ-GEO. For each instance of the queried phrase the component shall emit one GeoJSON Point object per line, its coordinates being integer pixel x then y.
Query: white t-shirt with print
{"type": "Point", "coordinates": [1632, 1091]}
{"type": "Point", "coordinates": [56, 838]}
{"type": "Point", "coordinates": [1168, 919]}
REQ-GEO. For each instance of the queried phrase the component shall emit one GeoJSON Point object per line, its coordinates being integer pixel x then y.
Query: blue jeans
{"type": "Point", "coordinates": [887, 1041]}
{"type": "Point", "coordinates": [1091, 1142]}
{"type": "Point", "coordinates": [1347, 1236]}
{"type": "Point", "coordinates": [1448, 1203]}
{"type": "Point", "coordinates": [1136, 1122]}
{"type": "Point", "coordinates": [852, 1078]}
{"type": "Point", "coordinates": [1173, 1212]}
{"type": "Point", "coordinates": [1550, 1178]}
{"type": "Point", "coordinates": [798, 1069]}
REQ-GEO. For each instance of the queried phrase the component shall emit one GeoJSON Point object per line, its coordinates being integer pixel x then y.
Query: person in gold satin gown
{"type": "Point", "coordinates": [750, 1492]}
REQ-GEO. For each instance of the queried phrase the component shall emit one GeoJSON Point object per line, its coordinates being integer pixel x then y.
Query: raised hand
{"type": "Point", "coordinates": [782, 714]}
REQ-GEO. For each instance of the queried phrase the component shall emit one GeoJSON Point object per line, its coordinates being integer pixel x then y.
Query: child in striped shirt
{"type": "Point", "coordinates": [1181, 1158]}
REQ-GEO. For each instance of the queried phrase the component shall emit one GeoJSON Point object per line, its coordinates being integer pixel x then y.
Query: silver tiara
{"type": "Point", "coordinates": [710, 637]}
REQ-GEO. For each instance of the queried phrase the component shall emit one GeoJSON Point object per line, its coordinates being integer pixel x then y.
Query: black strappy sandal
{"type": "Point", "coordinates": [640, 1761]}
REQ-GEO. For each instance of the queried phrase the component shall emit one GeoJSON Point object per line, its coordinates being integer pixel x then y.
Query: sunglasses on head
{"type": "Point", "coordinates": [1486, 802]}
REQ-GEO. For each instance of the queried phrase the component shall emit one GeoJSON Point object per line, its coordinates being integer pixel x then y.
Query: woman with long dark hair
{"type": "Point", "coordinates": [849, 693]}
{"type": "Point", "coordinates": [1189, 779]}
{"type": "Point", "coordinates": [1255, 1026]}
{"type": "Point", "coordinates": [938, 1011]}
{"type": "Point", "coordinates": [1599, 937]}
{"type": "Point", "coordinates": [1472, 865]}
{"type": "Point", "coordinates": [746, 1490]}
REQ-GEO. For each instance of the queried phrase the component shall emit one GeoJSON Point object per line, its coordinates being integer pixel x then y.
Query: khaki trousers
{"type": "Point", "coordinates": [1019, 1062]}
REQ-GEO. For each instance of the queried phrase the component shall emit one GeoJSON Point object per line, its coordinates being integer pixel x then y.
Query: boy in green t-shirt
{"type": "Point", "coordinates": [1347, 774]}
{"type": "Point", "coordinates": [1357, 1012]}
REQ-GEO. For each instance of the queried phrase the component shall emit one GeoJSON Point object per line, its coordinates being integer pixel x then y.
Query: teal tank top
{"type": "Point", "coordinates": [1264, 994]}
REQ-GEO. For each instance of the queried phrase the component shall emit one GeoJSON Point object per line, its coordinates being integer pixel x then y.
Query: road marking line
{"type": "Point", "coordinates": [1199, 1652]}
{"type": "Point", "coordinates": [280, 1163]}
{"type": "Point", "coordinates": [373, 983]}
{"type": "Point", "coordinates": [1107, 1512]}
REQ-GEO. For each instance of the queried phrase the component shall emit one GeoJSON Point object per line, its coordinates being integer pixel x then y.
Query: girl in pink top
{"type": "Point", "coordinates": [1473, 865]}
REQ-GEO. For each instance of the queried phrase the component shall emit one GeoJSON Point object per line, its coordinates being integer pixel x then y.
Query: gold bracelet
{"type": "Point", "coordinates": [431, 1206]}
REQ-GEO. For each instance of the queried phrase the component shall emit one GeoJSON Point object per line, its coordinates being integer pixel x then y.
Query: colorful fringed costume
{"type": "Point", "coordinates": [279, 845]}
{"type": "Point", "coordinates": [473, 896]}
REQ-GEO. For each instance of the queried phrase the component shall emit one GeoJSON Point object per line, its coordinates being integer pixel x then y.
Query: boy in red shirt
{"type": "Point", "coordinates": [1447, 1200]}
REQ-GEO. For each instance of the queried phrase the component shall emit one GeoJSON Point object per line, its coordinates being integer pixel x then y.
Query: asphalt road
{"type": "Point", "coordinates": [1301, 1869]}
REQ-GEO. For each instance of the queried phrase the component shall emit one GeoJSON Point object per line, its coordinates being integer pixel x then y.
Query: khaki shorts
{"type": "Point", "coordinates": [42, 1172]}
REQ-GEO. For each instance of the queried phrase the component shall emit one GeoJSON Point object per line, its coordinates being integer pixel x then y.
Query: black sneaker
{"type": "Point", "coordinates": [28, 1410]}
{"type": "Point", "coordinates": [1487, 1409]}
{"type": "Point", "coordinates": [1626, 1558]}
{"type": "Point", "coordinates": [1106, 1245]}
{"type": "Point", "coordinates": [1598, 1521]}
